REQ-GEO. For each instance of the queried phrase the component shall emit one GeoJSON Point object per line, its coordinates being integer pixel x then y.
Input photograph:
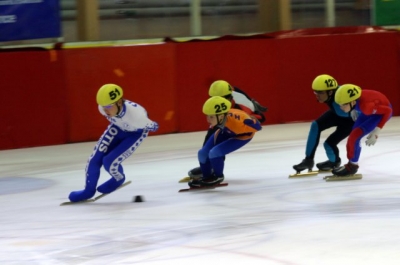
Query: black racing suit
{"type": "Point", "coordinates": [334, 117]}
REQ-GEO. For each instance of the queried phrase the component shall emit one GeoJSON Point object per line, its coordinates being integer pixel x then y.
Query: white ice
{"type": "Point", "coordinates": [262, 217]}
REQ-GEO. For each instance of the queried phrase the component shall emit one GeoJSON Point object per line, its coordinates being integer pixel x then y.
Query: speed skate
{"type": "Point", "coordinates": [97, 197]}
{"type": "Point", "coordinates": [341, 178]}
{"type": "Point", "coordinates": [309, 173]}
{"type": "Point", "coordinates": [205, 187]}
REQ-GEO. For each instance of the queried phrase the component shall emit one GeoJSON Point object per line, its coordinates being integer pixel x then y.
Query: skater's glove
{"type": "Point", "coordinates": [373, 136]}
{"type": "Point", "coordinates": [258, 107]}
{"type": "Point", "coordinates": [354, 114]}
{"type": "Point", "coordinates": [153, 127]}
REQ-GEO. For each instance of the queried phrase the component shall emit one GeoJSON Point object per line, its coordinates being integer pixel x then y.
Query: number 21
{"type": "Point", "coordinates": [352, 92]}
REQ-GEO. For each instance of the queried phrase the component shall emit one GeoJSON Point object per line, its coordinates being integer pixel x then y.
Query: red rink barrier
{"type": "Point", "coordinates": [49, 95]}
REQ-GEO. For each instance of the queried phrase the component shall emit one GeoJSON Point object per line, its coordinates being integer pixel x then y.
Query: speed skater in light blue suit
{"type": "Point", "coordinates": [129, 126]}
{"type": "Point", "coordinates": [325, 87]}
{"type": "Point", "coordinates": [373, 110]}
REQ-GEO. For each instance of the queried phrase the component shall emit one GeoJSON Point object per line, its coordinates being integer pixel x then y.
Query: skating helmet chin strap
{"type": "Point", "coordinates": [330, 97]}
{"type": "Point", "coordinates": [352, 106]}
{"type": "Point", "coordinates": [119, 108]}
{"type": "Point", "coordinates": [221, 123]}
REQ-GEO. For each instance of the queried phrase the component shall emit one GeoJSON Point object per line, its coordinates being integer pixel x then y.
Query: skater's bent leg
{"type": "Point", "coordinates": [353, 145]}
{"type": "Point", "coordinates": [203, 156]}
{"type": "Point", "coordinates": [218, 165]}
{"type": "Point", "coordinates": [364, 125]}
{"type": "Point", "coordinates": [218, 153]}
{"type": "Point", "coordinates": [92, 173]}
{"type": "Point", "coordinates": [332, 152]}
{"type": "Point", "coordinates": [196, 172]}
{"type": "Point", "coordinates": [342, 131]}
{"type": "Point", "coordinates": [313, 140]}
{"type": "Point", "coordinates": [204, 162]}
{"type": "Point", "coordinates": [112, 161]}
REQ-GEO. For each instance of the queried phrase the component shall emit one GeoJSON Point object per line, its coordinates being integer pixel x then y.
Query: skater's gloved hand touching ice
{"type": "Point", "coordinates": [373, 136]}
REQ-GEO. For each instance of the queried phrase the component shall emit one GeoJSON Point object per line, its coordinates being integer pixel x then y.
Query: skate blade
{"type": "Point", "coordinates": [185, 179]}
{"type": "Point", "coordinates": [325, 171]}
{"type": "Point", "coordinates": [337, 178]}
{"type": "Point", "coordinates": [305, 174]}
{"type": "Point", "coordinates": [81, 202]}
{"type": "Point", "coordinates": [105, 194]}
{"type": "Point", "coordinates": [224, 184]}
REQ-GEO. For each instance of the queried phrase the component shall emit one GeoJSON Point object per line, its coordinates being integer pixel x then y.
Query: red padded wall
{"type": "Point", "coordinates": [48, 97]}
{"type": "Point", "coordinates": [366, 60]}
{"type": "Point", "coordinates": [278, 72]}
{"type": "Point", "coordinates": [145, 72]}
{"type": "Point", "coordinates": [247, 64]}
{"type": "Point", "coordinates": [33, 99]}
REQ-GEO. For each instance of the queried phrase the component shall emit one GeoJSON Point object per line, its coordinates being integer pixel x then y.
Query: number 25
{"type": "Point", "coordinates": [219, 108]}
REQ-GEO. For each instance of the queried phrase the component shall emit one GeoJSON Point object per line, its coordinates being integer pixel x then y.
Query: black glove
{"type": "Point", "coordinates": [259, 116]}
{"type": "Point", "coordinates": [258, 107]}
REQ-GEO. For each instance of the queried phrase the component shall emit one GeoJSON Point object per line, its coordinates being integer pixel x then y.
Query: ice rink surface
{"type": "Point", "coordinates": [262, 217]}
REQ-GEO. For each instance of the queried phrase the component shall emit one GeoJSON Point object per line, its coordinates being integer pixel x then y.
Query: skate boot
{"type": "Point", "coordinates": [81, 195]}
{"type": "Point", "coordinates": [346, 170]}
{"type": "Point", "coordinates": [213, 180]}
{"type": "Point", "coordinates": [195, 183]}
{"type": "Point", "coordinates": [307, 163]}
{"type": "Point", "coordinates": [328, 165]}
{"type": "Point", "coordinates": [87, 193]}
{"type": "Point", "coordinates": [110, 185]}
{"type": "Point", "coordinates": [195, 173]}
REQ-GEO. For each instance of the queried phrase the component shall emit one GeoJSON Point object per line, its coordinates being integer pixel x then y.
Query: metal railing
{"type": "Point", "coordinates": [120, 9]}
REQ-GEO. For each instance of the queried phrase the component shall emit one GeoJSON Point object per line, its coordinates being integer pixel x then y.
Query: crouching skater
{"type": "Point", "coordinates": [235, 128]}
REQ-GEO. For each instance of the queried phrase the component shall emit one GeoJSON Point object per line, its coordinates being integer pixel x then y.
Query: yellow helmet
{"type": "Point", "coordinates": [324, 82]}
{"type": "Point", "coordinates": [109, 94]}
{"type": "Point", "coordinates": [216, 105]}
{"type": "Point", "coordinates": [347, 93]}
{"type": "Point", "coordinates": [220, 88]}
